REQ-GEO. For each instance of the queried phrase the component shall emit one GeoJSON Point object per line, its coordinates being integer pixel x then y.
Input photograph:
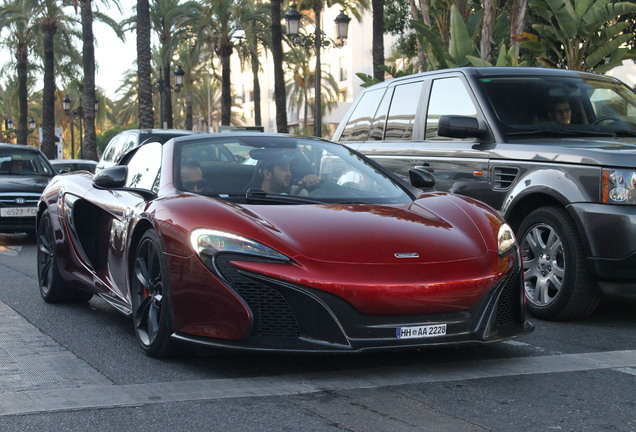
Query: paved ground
{"type": "Point", "coordinates": [38, 375]}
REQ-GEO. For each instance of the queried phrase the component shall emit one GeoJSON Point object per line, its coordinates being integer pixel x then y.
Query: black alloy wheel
{"type": "Point", "coordinates": [52, 286]}
{"type": "Point", "coordinates": [150, 292]}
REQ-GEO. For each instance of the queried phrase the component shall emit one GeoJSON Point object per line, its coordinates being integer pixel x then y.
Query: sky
{"type": "Point", "coordinates": [113, 56]}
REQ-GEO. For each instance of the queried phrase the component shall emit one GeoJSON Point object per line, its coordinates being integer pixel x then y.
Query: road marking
{"type": "Point", "coordinates": [140, 394]}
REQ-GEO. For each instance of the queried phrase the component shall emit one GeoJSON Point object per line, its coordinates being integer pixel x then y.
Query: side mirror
{"type": "Point", "coordinates": [110, 178]}
{"type": "Point", "coordinates": [421, 179]}
{"type": "Point", "coordinates": [461, 127]}
{"type": "Point", "coordinates": [115, 178]}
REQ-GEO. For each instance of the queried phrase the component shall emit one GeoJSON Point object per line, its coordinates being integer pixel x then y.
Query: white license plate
{"type": "Point", "coordinates": [18, 211]}
{"type": "Point", "coordinates": [421, 331]}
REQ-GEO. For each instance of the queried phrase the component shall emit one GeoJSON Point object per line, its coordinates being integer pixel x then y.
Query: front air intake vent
{"type": "Point", "coordinates": [504, 177]}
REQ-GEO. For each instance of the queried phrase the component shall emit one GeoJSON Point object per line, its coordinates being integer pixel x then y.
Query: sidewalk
{"type": "Point", "coordinates": [30, 360]}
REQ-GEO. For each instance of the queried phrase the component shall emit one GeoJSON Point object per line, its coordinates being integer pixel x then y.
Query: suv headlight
{"type": "Point", "coordinates": [505, 239]}
{"type": "Point", "coordinates": [211, 242]}
{"type": "Point", "coordinates": [619, 186]}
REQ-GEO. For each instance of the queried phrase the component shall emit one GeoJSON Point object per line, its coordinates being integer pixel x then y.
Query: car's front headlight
{"type": "Point", "coordinates": [619, 186]}
{"type": "Point", "coordinates": [505, 239]}
{"type": "Point", "coordinates": [211, 242]}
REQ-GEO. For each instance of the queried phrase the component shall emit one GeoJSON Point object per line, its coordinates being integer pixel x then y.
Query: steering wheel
{"type": "Point", "coordinates": [607, 119]}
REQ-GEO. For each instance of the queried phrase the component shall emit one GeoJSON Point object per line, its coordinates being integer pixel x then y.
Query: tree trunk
{"type": "Point", "coordinates": [88, 62]}
{"type": "Point", "coordinates": [258, 121]}
{"type": "Point", "coordinates": [226, 86]}
{"type": "Point", "coordinates": [425, 11]}
{"type": "Point", "coordinates": [48, 94]}
{"type": "Point", "coordinates": [420, 51]}
{"type": "Point", "coordinates": [378, 39]}
{"type": "Point", "coordinates": [23, 94]}
{"type": "Point", "coordinates": [189, 123]}
{"type": "Point", "coordinates": [279, 75]}
{"type": "Point", "coordinates": [487, 28]}
{"type": "Point", "coordinates": [517, 21]}
{"type": "Point", "coordinates": [167, 96]}
{"type": "Point", "coordinates": [144, 68]}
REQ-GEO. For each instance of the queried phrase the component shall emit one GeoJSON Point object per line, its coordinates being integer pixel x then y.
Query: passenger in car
{"type": "Point", "coordinates": [192, 176]}
{"type": "Point", "coordinates": [559, 111]}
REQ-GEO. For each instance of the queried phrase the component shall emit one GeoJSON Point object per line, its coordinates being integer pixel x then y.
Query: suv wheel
{"type": "Point", "coordinates": [558, 284]}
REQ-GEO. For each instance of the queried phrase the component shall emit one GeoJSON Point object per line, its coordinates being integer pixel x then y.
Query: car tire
{"type": "Point", "coordinates": [558, 284]}
{"type": "Point", "coordinates": [52, 287]}
{"type": "Point", "coordinates": [151, 298]}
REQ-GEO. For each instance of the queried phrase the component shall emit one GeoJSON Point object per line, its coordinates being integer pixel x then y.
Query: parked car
{"type": "Point", "coordinates": [127, 140]}
{"type": "Point", "coordinates": [24, 173]}
{"type": "Point", "coordinates": [553, 150]}
{"type": "Point", "coordinates": [201, 248]}
{"type": "Point", "coordinates": [70, 165]}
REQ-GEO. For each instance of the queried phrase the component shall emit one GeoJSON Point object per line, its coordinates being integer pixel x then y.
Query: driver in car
{"type": "Point", "coordinates": [277, 168]}
{"type": "Point", "coordinates": [559, 111]}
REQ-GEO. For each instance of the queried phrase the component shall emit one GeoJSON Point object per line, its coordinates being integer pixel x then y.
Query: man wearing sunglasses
{"type": "Point", "coordinates": [192, 177]}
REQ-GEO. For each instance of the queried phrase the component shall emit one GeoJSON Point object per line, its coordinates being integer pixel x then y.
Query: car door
{"type": "Point", "coordinates": [460, 165]}
{"type": "Point", "coordinates": [394, 127]}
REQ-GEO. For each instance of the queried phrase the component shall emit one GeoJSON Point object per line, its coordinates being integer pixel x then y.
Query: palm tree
{"type": "Point", "coordinates": [51, 19]}
{"type": "Point", "coordinates": [144, 68]}
{"type": "Point", "coordinates": [378, 39]}
{"type": "Point", "coordinates": [279, 74]}
{"type": "Point", "coordinates": [88, 62]}
{"type": "Point", "coordinates": [167, 17]}
{"type": "Point", "coordinates": [217, 30]}
{"type": "Point", "coordinates": [257, 35]}
{"type": "Point", "coordinates": [301, 89]}
{"type": "Point", "coordinates": [316, 6]}
{"type": "Point", "coordinates": [18, 17]}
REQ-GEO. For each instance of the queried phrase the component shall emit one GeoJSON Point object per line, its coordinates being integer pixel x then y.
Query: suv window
{"type": "Point", "coordinates": [405, 101]}
{"type": "Point", "coordinates": [357, 129]}
{"type": "Point", "coordinates": [448, 97]}
{"type": "Point", "coordinates": [144, 167]}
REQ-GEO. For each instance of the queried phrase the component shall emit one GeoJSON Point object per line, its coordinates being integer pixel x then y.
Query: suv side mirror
{"type": "Point", "coordinates": [421, 179]}
{"type": "Point", "coordinates": [461, 127]}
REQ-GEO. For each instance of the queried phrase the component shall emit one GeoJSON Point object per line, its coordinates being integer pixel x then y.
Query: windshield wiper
{"type": "Point", "coordinates": [562, 132]}
{"type": "Point", "coordinates": [625, 133]}
{"type": "Point", "coordinates": [260, 195]}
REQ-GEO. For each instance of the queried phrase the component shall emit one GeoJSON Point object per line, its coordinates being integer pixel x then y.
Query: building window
{"type": "Point", "coordinates": [344, 74]}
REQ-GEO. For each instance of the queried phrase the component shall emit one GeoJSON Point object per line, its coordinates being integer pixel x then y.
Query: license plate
{"type": "Point", "coordinates": [18, 211]}
{"type": "Point", "coordinates": [421, 331]}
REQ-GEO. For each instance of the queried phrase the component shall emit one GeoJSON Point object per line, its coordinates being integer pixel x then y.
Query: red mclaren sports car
{"type": "Point", "coordinates": [274, 242]}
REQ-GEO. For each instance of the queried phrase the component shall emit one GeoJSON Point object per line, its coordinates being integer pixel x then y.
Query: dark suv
{"type": "Point", "coordinates": [553, 150]}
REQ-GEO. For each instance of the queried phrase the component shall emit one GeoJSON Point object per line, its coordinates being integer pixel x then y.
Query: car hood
{"type": "Point", "coordinates": [371, 234]}
{"type": "Point", "coordinates": [618, 152]}
{"type": "Point", "coordinates": [23, 183]}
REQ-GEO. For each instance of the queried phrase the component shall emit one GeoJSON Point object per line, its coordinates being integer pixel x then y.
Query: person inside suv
{"type": "Point", "coordinates": [559, 111]}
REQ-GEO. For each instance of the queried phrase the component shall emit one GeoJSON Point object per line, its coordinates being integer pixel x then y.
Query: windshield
{"type": "Point", "coordinates": [281, 169]}
{"type": "Point", "coordinates": [570, 105]}
{"type": "Point", "coordinates": [16, 162]}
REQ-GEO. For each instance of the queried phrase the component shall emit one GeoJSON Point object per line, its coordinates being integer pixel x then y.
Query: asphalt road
{"type": "Point", "coordinates": [78, 368]}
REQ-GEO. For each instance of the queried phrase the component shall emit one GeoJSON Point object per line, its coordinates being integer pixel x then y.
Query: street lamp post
{"type": "Point", "coordinates": [78, 112]}
{"type": "Point", "coordinates": [8, 127]}
{"type": "Point", "coordinates": [318, 41]}
{"type": "Point", "coordinates": [162, 86]}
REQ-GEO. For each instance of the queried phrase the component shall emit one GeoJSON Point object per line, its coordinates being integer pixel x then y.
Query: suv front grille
{"type": "Point", "coordinates": [504, 177]}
